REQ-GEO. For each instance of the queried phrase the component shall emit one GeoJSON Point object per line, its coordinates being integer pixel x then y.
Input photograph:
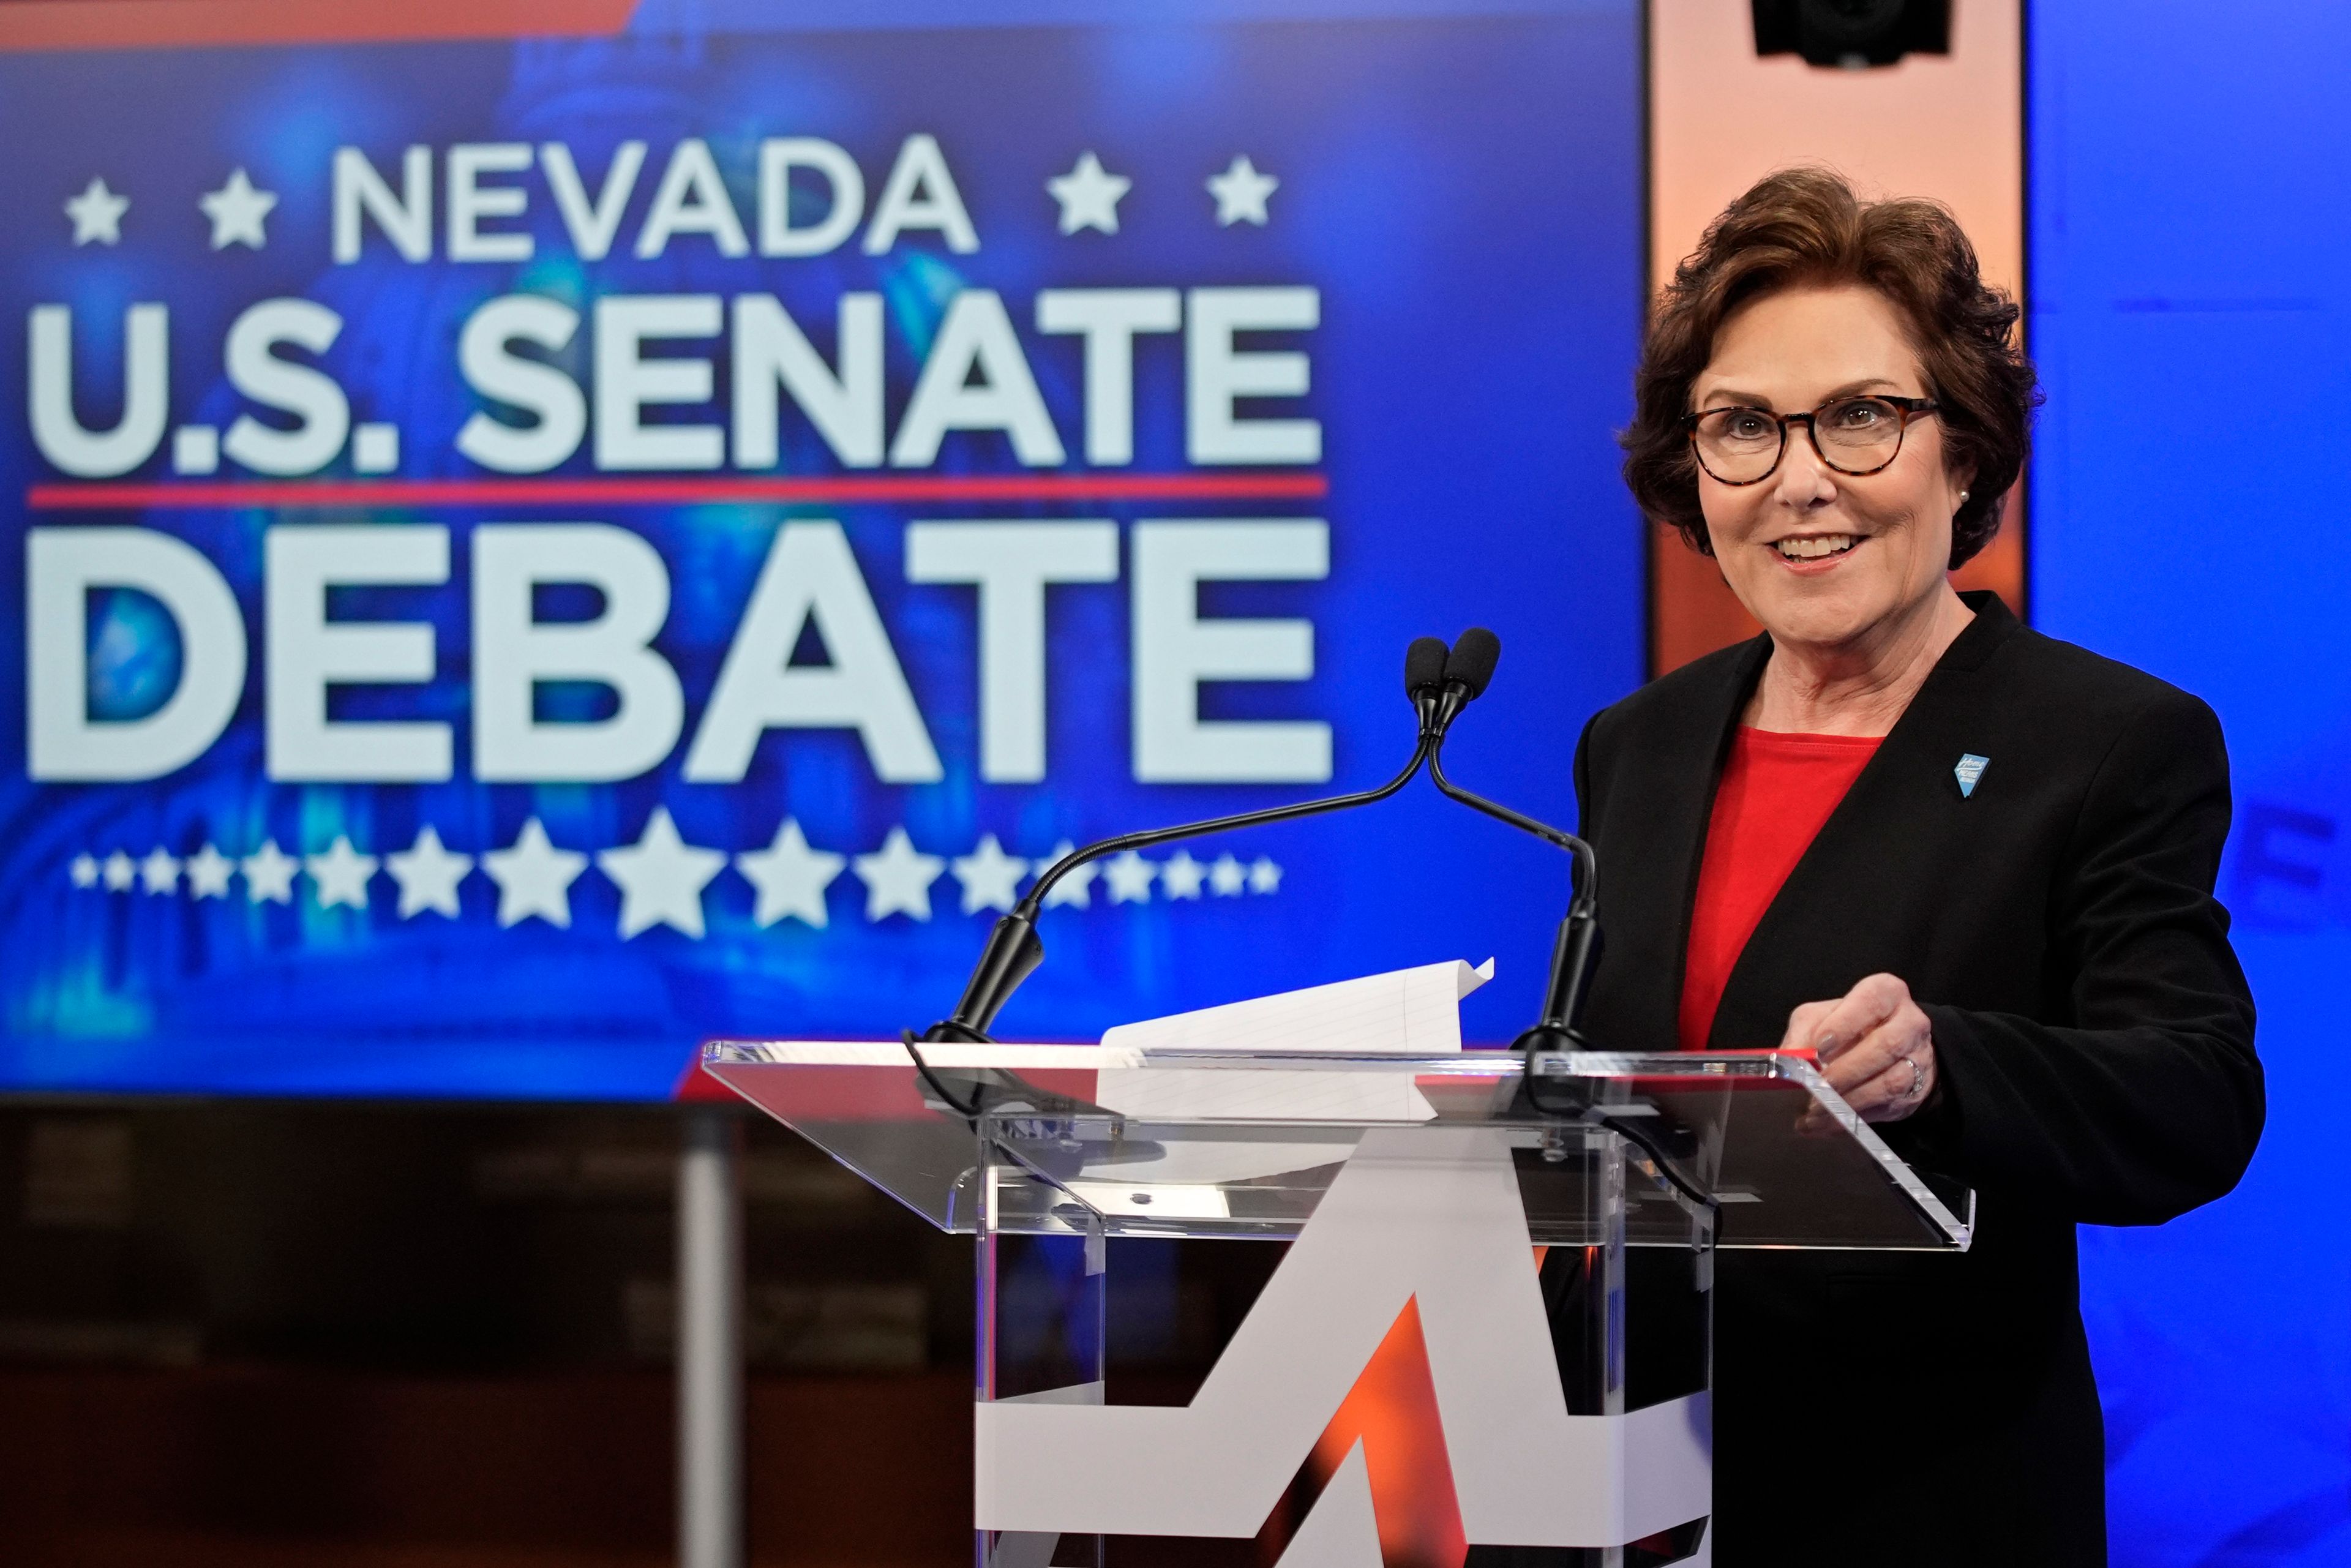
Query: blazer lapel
{"type": "Point", "coordinates": [1678, 781]}
{"type": "Point", "coordinates": [1786, 945]}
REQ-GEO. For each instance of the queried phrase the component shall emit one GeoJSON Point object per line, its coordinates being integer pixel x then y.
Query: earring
{"type": "Point", "coordinates": [1963, 498]}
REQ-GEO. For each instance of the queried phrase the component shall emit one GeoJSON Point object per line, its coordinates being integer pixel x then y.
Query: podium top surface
{"type": "Point", "coordinates": [1206, 1142]}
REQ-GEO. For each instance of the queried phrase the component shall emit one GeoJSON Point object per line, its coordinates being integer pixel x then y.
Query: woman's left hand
{"type": "Point", "coordinates": [1876, 1048]}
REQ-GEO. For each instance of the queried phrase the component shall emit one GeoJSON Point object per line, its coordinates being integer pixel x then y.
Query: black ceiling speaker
{"type": "Point", "coordinates": [1854, 34]}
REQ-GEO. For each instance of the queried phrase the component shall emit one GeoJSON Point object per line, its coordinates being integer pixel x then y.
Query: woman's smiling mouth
{"type": "Point", "coordinates": [1814, 546]}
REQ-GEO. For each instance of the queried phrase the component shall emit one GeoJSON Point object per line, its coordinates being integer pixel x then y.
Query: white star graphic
{"type": "Point", "coordinates": [236, 210]}
{"type": "Point", "coordinates": [269, 875]}
{"type": "Point", "coordinates": [534, 877]}
{"type": "Point", "coordinates": [159, 873]}
{"type": "Point", "coordinates": [661, 878]}
{"type": "Point", "coordinates": [1241, 191]}
{"type": "Point", "coordinates": [428, 874]}
{"type": "Point", "coordinates": [341, 875]}
{"type": "Point", "coordinates": [120, 871]}
{"type": "Point", "coordinates": [1264, 876]}
{"type": "Point", "coordinates": [990, 878]}
{"type": "Point", "coordinates": [898, 878]}
{"type": "Point", "coordinates": [791, 877]}
{"type": "Point", "coordinates": [1089, 195]}
{"type": "Point", "coordinates": [1129, 878]}
{"type": "Point", "coordinates": [84, 871]}
{"type": "Point", "coordinates": [1226, 877]}
{"type": "Point", "coordinates": [96, 214]}
{"type": "Point", "coordinates": [1077, 887]}
{"type": "Point", "coordinates": [1180, 875]}
{"type": "Point", "coordinates": [208, 873]}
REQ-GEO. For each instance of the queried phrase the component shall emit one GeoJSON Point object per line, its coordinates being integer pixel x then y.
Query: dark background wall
{"type": "Point", "coordinates": [281, 1333]}
{"type": "Point", "coordinates": [432, 1336]}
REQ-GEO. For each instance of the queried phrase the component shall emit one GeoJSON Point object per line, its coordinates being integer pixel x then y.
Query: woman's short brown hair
{"type": "Point", "coordinates": [1805, 226]}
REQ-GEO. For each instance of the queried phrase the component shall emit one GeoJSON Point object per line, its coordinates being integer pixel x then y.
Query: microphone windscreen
{"type": "Point", "coordinates": [1423, 666]}
{"type": "Point", "coordinates": [1475, 653]}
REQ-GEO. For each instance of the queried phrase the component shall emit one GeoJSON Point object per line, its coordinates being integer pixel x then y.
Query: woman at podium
{"type": "Point", "coordinates": [1969, 864]}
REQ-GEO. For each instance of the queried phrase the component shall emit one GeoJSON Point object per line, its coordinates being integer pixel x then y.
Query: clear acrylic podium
{"type": "Point", "coordinates": [1551, 1221]}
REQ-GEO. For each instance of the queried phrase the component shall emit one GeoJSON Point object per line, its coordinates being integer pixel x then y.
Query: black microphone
{"type": "Point", "coordinates": [1424, 679]}
{"type": "Point", "coordinates": [1013, 949]}
{"type": "Point", "coordinates": [1575, 953]}
{"type": "Point", "coordinates": [1469, 666]}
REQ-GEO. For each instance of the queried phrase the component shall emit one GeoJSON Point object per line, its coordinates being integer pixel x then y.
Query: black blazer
{"type": "Point", "coordinates": [2095, 1040]}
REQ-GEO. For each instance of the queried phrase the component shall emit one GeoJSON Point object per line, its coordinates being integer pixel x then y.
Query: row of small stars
{"type": "Point", "coordinates": [662, 877]}
{"type": "Point", "coordinates": [237, 210]}
{"type": "Point", "coordinates": [1089, 195]}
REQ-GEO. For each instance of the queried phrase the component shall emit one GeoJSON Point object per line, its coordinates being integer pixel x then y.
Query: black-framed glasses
{"type": "Point", "coordinates": [1854, 435]}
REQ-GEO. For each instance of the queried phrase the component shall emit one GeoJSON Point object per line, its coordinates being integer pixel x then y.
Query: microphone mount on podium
{"type": "Point", "coordinates": [1441, 684]}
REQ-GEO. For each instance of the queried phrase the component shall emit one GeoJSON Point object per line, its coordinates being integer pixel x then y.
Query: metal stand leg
{"type": "Point", "coordinates": [710, 1342]}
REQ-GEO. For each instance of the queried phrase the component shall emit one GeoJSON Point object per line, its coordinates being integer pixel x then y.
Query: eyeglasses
{"type": "Point", "coordinates": [1854, 435]}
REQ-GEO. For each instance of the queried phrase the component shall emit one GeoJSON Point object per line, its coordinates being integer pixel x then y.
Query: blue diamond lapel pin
{"type": "Point", "coordinates": [1970, 770]}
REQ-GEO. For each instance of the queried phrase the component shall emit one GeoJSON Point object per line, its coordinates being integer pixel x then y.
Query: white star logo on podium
{"type": "Point", "coordinates": [1129, 878]}
{"type": "Point", "coordinates": [159, 873]}
{"type": "Point", "coordinates": [990, 878]}
{"type": "Point", "coordinates": [534, 877]}
{"type": "Point", "coordinates": [1089, 196]}
{"type": "Point", "coordinates": [236, 210]}
{"type": "Point", "coordinates": [790, 877]}
{"type": "Point", "coordinates": [428, 874]}
{"type": "Point", "coordinates": [120, 871]}
{"type": "Point", "coordinates": [208, 873]}
{"type": "Point", "coordinates": [1226, 877]}
{"type": "Point", "coordinates": [1076, 887]}
{"type": "Point", "coordinates": [84, 871]}
{"type": "Point", "coordinates": [661, 878]}
{"type": "Point", "coordinates": [898, 878]}
{"type": "Point", "coordinates": [341, 875]}
{"type": "Point", "coordinates": [269, 875]}
{"type": "Point", "coordinates": [96, 214]}
{"type": "Point", "coordinates": [1264, 876]}
{"type": "Point", "coordinates": [1241, 191]}
{"type": "Point", "coordinates": [1180, 874]}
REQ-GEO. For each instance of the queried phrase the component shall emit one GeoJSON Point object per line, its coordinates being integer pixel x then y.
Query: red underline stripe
{"type": "Point", "coordinates": [30, 25]}
{"type": "Point", "coordinates": [838, 490]}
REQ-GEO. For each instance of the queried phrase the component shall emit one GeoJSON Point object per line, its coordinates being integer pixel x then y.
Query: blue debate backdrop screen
{"type": "Point", "coordinates": [533, 554]}
{"type": "Point", "coordinates": [2191, 317]}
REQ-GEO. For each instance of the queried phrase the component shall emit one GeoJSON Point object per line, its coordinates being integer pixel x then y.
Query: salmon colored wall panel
{"type": "Point", "coordinates": [1950, 127]}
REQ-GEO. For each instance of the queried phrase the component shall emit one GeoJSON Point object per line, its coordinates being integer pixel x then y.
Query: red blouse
{"type": "Point", "coordinates": [1776, 793]}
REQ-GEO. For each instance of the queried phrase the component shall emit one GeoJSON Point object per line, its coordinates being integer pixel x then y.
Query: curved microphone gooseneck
{"type": "Point", "coordinates": [1013, 949]}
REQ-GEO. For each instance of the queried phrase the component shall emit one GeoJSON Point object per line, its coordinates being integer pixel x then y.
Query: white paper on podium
{"type": "Point", "coordinates": [1404, 1012]}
